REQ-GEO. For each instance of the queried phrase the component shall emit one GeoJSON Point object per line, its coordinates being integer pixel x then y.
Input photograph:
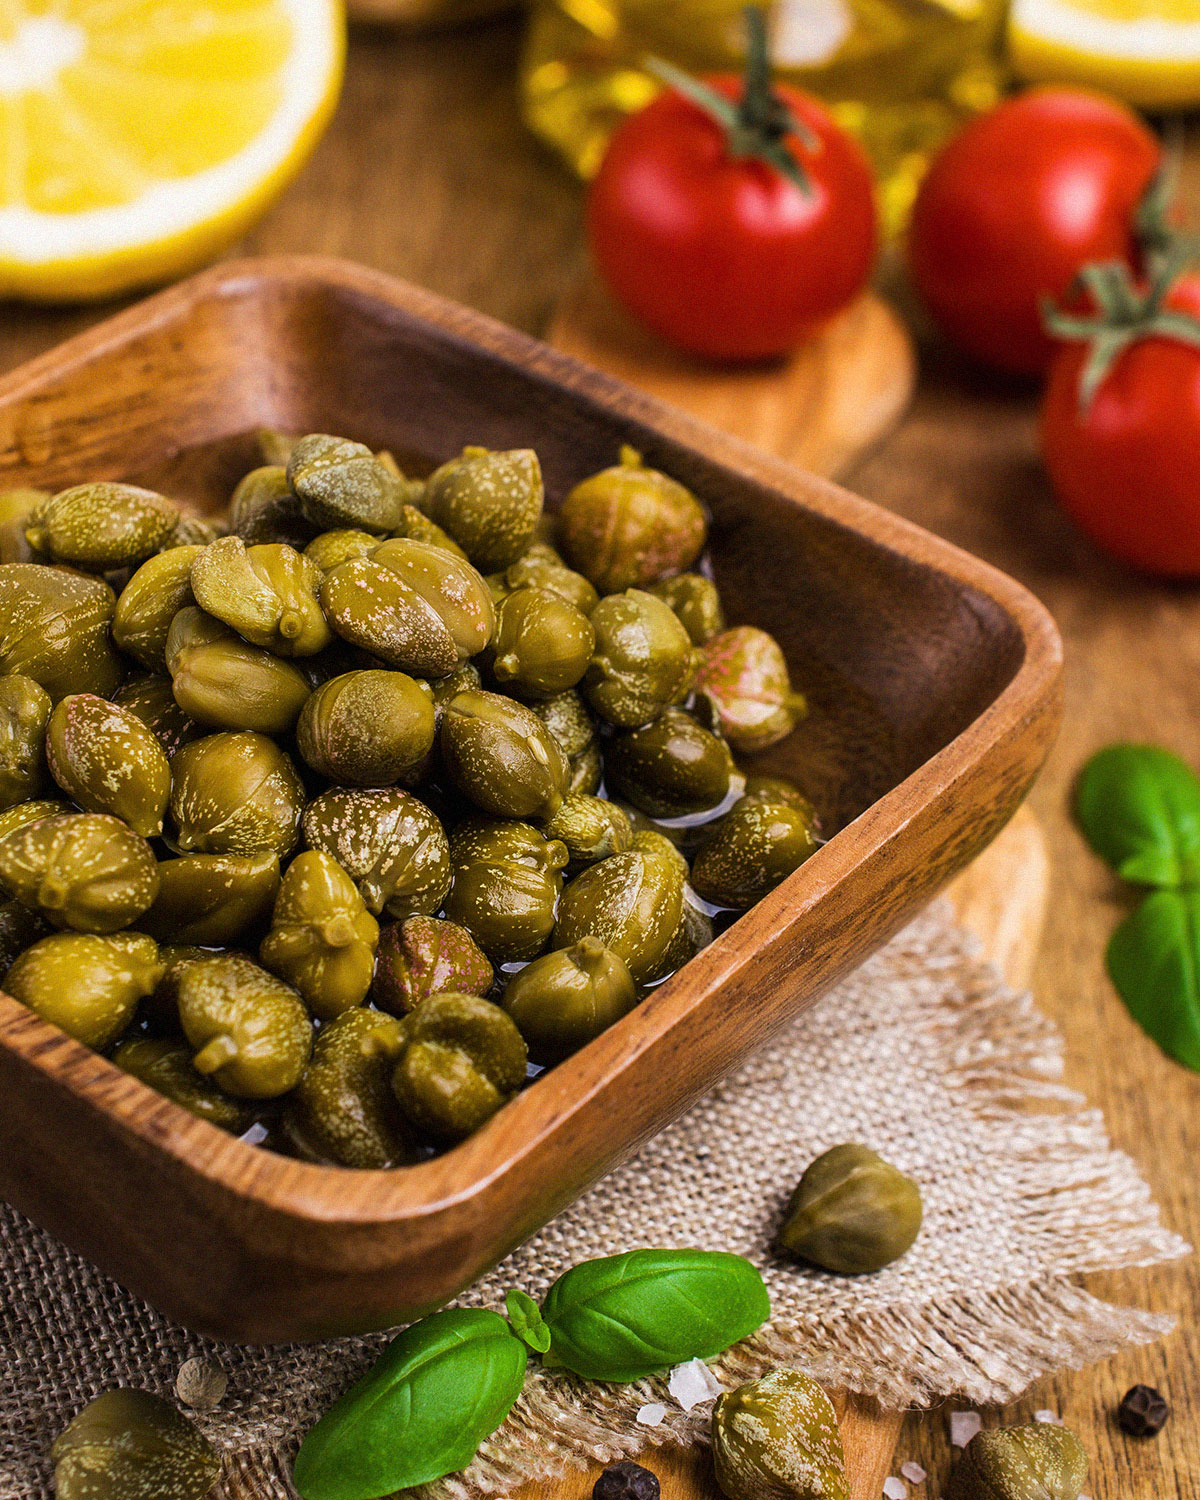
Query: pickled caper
{"type": "Point", "coordinates": [851, 1212]}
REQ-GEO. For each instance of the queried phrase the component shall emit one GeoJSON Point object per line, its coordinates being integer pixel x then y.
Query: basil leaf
{"type": "Point", "coordinates": [527, 1321]}
{"type": "Point", "coordinates": [1154, 961]}
{"type": "Point", "coordinates": [1139, 808]}
{"type": "Point", "coordinates": [632, 1315]}
{"type": "Point", "coordinates": [420, 1412]}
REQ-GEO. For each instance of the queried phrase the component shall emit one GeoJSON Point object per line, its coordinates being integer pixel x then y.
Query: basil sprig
{"type": "Point", "coordinates": [628, 1316]}
{"type": "Point", "coordinates": [1139, 808]}
{"type": "Point", "coordinates": [420, 1412]}
{"type": "Point", "coordinates": [527, 1321]}
{"type": "Point", "coordinates": [449, 1381]}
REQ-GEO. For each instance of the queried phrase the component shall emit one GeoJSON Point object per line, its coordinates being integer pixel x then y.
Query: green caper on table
{"type": "Point", "coordinates": [133, 1444]}
{"type": "Point", "coordinates": [777, 1438]}
{"type": "Point", "coordinates": [851, 1212]}
{"type": "Point", "coordinates": [338, 818]}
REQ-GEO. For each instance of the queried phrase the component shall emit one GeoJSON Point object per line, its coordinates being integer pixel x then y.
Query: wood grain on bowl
{"type": "Point", "coordinates": [934, 683]}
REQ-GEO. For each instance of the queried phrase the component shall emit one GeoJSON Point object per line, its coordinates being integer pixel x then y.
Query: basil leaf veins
{"type": "Point", "coordinates": [420, 1412]}
{"type": "Point", "coordinates": [1139, 808]}
{"type": "Point", "coordinates": [626, 1316]}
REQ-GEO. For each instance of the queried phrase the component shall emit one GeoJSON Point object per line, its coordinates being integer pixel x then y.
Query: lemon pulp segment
{"type": "Point", "coordinates": [140, 137]}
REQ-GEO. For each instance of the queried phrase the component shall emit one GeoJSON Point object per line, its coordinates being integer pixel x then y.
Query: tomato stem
{"type": "Point", "coordinates": [759, 124]}
{"type": "Point", "coordinates": [1126, 313]}
{"type": "Point", "coordinates": [1152, 223]}
{"type": "Point", "coordinates": [759, 109]}
{"type": "Point", "coordinates": [1158, 235]}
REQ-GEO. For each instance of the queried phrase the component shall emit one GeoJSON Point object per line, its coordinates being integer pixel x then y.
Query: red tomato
{"type": "Point", "coordinates": [1128, 469]}
{"type": "Point", "coordinates": [723, 254]}
{"type": "Point", "coordinates": [1015, 205]}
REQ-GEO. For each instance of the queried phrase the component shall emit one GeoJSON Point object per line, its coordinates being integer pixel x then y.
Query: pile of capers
{"type": "Point", "coordinates": [330, 820]}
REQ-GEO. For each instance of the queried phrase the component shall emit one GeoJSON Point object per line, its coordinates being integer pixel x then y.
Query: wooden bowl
{"type": "Point", "coordinates": [934, 684]}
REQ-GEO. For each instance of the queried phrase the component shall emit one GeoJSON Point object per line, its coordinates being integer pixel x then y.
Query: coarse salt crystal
{"type": "Point", "coordinates": [652, 1414]}
{"type": "Point", "coordinates": [693, 1382]}
{"type": "Point", "coordinates": [913, 1472]}
{"type": "Point", "coordinates": [963, 1427]}
{"type": "Point", "coordinates": [895, 1489]}
{"type": "Point", "coordinates": [1051, 1418]}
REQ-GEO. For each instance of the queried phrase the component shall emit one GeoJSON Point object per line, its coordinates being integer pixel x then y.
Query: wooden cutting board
{"type": "Point", "coordinates": [1002, 899]}
{"type": "Point", "coordinates": [820, 409]}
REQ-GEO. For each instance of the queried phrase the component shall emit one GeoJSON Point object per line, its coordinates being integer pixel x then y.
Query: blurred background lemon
{"type": "Point", "coordinates": [1146, 52]}
{"type": "Point", "coordinates": [139, 139]}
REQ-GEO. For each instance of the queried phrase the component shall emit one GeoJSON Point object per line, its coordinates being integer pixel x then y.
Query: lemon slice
{"type": "Point", "coordinates": [139, 138]}
{"type": "Point", "coordinates": [1144, 51]}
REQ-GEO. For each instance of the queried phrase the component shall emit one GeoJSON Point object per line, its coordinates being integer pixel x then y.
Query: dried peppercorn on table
{"type": "Point", "coordinates": [428, 173]}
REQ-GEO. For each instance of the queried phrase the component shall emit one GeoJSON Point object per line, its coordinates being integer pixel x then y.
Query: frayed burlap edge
{"type": "Point", "coordinates": [985, 1347]}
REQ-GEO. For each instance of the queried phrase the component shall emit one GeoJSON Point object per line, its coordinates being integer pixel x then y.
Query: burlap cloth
{"type": "Point", "coordinates": [923, 1054]}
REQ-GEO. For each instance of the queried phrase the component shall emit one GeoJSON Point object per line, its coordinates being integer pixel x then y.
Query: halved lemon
{"type": "Point", "coordinates": [139, 138]}
{"type": "Point", "coordinates": [1146, 52]}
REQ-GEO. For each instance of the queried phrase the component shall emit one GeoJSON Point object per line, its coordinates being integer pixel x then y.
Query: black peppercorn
{"type": "Point", "coordinates": [626, 1481]}
{"type": "Point", "coordinates": [1143, 1411]}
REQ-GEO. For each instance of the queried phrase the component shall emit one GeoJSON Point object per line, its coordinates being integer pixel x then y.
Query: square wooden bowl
{"type": "Point", "coordinates": [934, 685]}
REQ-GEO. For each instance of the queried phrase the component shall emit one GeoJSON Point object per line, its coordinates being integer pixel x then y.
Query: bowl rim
{"type": "Point", "coordinates": [327, 1194]}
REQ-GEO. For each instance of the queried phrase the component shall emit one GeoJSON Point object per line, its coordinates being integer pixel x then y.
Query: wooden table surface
{"type": "Point", "coordinates": [427, 173]}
